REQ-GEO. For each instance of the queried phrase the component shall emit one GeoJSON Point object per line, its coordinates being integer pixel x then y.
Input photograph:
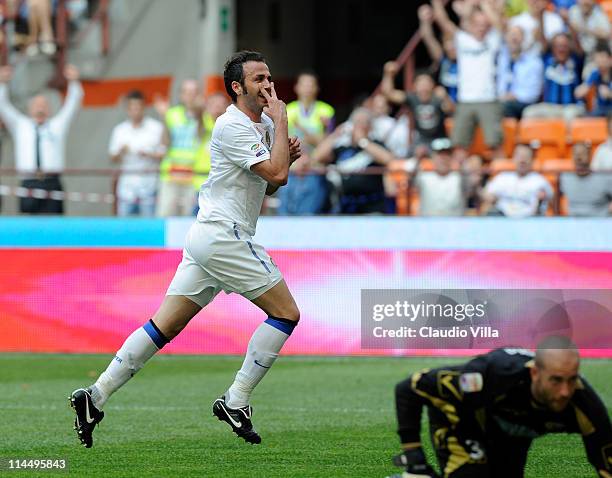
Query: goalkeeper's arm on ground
{"type": "Point", "coordinates": [439, 388]}
{"type": "Point", "coordinates": [596, 429]}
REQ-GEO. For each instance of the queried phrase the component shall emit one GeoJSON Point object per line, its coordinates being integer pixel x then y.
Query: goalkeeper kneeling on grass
{"type": "Point", "coordinates": [484, 414]}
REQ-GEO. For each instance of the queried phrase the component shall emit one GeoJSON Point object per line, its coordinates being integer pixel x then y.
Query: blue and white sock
{"type": "Point", "coordinates": [139, 347]}
{"type": "Point", "coordinates": [264, 346]}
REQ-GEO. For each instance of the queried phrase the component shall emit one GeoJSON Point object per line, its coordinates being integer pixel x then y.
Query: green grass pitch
{"type": "Point", "coordinates": [319, 417]}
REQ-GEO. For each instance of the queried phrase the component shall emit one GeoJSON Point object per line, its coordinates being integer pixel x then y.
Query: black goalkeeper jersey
{"type": "Point", "coordinates": [491, 396]}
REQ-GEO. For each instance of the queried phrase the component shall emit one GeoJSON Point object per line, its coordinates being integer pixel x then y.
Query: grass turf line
{"type": "Point", "coordinates": [319, 417]}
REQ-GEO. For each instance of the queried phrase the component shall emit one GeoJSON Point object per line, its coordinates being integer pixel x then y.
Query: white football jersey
{"type": "Point", "coordinates": [233, 192]}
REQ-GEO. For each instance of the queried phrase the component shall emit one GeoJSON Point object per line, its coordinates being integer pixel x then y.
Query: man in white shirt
{"type": "Point", "coordinates": [136, 144]}
{"type": "Point", "coordinates": [441, 191]}
{"type": "Point", "coordinates": [529, 22]}
{"type": "Point", "coordinates": [519, 193]}
{"type": "Point", "coordinates": [477, 49]}
{"type": "Point", "coordinates": [250, 157]}
{"type": "Point", "coordinates": [40, 142]}
{"type": "Point", "coordinates": [592, 25]}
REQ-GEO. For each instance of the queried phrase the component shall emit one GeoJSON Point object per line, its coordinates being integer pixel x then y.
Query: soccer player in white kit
{"type": "Point", "coordinates": [250, 157]}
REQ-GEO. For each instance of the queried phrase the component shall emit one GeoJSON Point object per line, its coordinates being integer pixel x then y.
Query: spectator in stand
{"type": "Point", "coordinates": [182, 133]}
{"type": "Point", "coordinates": [601, 80]}
{"type": "Point", "coordinates": [310, 119]}
{"type": "Point", "coordinates": [394, 134]}
{"type": "Point", "coordinates": [539, 24]}
{"type": "Point", "coordinates": [40, 141]}
{"type": "Point", "coordinates": [562, 73]}
{"type": "Point", "coordinates": [587, 194]}
{"type": "Point", "coordinates": [478, 44]}
{"type": "Point", "coordinates": [214, 106]}
{"type": "Point", "coordinates": [474, 181]}
{"type": "Point", "coordinates": [519, 193]}
{"type": "Point", "coordinates": [39, 26]}
{"type": "Point", "coordinates": [428, 104]}
{"type": "Point", "coordinates": [602, 160]}
{"type": "Point", "coordinates": [444, 55]}
{"type": "Point", "coordinates": [520, 75]}
{"type": "Point", "coordinates": [136, 144]}
{"type": "Point", "coordinates": [591, 25]}
{"type": "Point", "coordinates": [442, 192]}
{"type": "Point", "coordinates": [351, 148]}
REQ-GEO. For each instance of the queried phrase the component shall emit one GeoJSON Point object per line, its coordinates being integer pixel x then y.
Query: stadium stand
{"type": "Point", "coordinates": [552, 138]}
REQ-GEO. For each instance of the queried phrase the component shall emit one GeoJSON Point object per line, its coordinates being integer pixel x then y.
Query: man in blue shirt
{"type": "Point", "coordinates": [562, 72]}
{"type": "Point", "coordinates": [520, 74]}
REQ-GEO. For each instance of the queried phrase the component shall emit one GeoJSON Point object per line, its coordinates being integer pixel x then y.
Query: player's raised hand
{"type": "Point", "coordinates": [276, 109]}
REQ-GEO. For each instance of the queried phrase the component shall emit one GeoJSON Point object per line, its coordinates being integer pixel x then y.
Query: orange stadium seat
{"type": "Point", "coordinates": [550, 134]}
{"type": "Point", "coordinates": [509, 127]}
{"type": "Point", "coordinates": [426, 165]}
{"type": "Point", "coordinates": [590, 130]}
{"type": "Point", "coordinates": [499, 165]}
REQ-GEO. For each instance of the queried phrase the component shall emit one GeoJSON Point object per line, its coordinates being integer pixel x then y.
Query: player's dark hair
{"type": "Point", "coordinates": [234, 70]}
{"type": "Point", "coordinates": [134, 95]}
{"type": "Point", "coordinates": [553, 342]}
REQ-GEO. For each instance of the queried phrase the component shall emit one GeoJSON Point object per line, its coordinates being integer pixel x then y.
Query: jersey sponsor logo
{"type": "Point", "coordinates": [260, 153]}
{"type": "Point", "coordinates": [471, 382]}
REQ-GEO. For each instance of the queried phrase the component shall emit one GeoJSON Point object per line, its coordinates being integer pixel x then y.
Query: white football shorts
{"type": "Point", "coordinates": [221, 256]}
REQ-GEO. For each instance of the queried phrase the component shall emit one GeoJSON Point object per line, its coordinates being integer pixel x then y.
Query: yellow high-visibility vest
{"type": "Point", "coordinates": [314, 122]}
{"type": "Point", "coordinates": [177, 165]}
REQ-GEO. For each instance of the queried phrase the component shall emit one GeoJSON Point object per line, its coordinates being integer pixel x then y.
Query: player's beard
{"type": "Point", "coordinates": [545, 398]}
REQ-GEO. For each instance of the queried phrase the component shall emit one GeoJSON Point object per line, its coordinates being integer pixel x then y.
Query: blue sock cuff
{"type": "Point", "coordinates": [284, 325]}
{"type": "Point", "coordinates": [156, 336]}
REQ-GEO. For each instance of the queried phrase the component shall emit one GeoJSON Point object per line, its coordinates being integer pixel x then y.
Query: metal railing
{"type": "Point", "coordinates": [405, 197]}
